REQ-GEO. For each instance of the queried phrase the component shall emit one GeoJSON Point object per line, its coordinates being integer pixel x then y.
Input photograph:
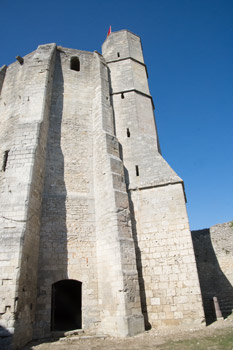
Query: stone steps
{"type": "Point", "coordinates": [76, 334]}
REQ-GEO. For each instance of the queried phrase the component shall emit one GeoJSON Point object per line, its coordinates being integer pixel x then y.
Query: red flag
{"type": "Point", "coordinates": [109, 31]}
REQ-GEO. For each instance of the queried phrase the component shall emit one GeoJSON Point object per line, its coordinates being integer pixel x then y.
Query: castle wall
{"type": "Point", "coordinates": [117, 274]}
{"type": "Point", "coordinates": [139, 140]}
{"type": "Point", "coordinates": [86, 196]}
{"type": "Point", "coordinates": [82, 232]}
{"type": "Point", "coordinates": [122, 44]}
{"type": "Point", "coordinates": [213, 249]}
{"type": "Point", "coordinates": [156, 195]}
{"type": "Point", "coordinates": [25, 101]}
{"type": "Point", "coordinates": [135, 73]}
{"type": "Point", "coordinates": [170, 288]}
{"type": "Point", "coordinates": [68, 239]}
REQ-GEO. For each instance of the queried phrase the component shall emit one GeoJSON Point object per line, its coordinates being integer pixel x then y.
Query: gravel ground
{"type": "Point", "coordinates": [219, 335]}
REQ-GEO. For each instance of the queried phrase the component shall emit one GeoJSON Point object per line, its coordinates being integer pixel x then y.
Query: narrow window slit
{"type": "Point", "coordinates": [128, 132]}
{"type": "Point", "coordinates": [75, 63]}
{"type": "Point", "coordinates": [118, 54]}
{"type": "Point", "coordinates": [5, 158]}
{"type": "Point", "coordinates": [122, 95]}
{"type": "Point", "coordinates": [137, 170]}
{"type": "Point", "coordinates": [20, 59]}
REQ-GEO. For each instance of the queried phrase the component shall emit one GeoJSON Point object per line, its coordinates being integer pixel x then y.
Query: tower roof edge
{"type": "Point", "coordinates": [121, 30]}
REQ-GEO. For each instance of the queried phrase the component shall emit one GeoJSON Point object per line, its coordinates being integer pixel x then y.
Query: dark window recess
{"type": "Point", "coordinates": [20, 59]}
{"type": "Point", "coordinates": [122, 95]}
{"type": "Point", "coordinates": [118, 54]}
{"type": "Point", "coordinates": [128, 132]}
{"type": "Point", "coordinates": [75, 63]}
{"type": "Point", "coordinates": [5, 158]}
{"type": "Point", "coordinates": [137, 170]}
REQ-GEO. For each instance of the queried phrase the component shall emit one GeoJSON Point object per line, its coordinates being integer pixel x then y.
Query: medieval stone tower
{"type": "Point", "coordinates": [94, 230]}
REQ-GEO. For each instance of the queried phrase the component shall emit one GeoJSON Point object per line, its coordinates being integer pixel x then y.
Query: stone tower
{"type": "Point", "coordinates": [94, 229]}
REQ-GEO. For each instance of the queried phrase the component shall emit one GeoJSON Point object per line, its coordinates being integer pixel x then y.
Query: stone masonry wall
{"type": "Point", "coordinates": [214, 255]}
{"type": "Point", "coordinates": [139, 141]}
{"type": "Point", "coordinates": [25, 102]}
{"type": "Point", "coordinates": [117, 274]}
{"type": "Point", "coordinates": [85, 195]}
{"type": "Point", "coordinates": [169, 284]}
{"type": "Point", "coordinates": [68, 240]}
{"type": "Point", "coordinates": [122, 44]}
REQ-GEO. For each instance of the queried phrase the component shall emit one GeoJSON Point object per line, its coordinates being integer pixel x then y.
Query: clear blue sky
{"type": "Point", "coordinates": [189, 53]}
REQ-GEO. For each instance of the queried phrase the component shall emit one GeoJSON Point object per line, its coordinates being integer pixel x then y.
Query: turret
{"type": "Point", "coordinates": [134, 112]}
{"type": "Point", "coordinates": [160, 225]}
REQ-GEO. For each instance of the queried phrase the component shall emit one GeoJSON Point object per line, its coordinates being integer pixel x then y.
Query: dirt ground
{"type": "Point", "coordinates": [218, 336]}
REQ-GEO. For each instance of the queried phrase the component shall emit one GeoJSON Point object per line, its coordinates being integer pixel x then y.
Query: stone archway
{"type": "Point", "coordinates": [66, 308]}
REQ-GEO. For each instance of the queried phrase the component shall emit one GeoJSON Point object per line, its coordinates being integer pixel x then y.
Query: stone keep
{"type": "Point", "coordinates": [94, 228]}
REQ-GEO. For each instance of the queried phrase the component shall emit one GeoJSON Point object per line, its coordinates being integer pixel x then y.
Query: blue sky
{"type": "Point", "coordinates": [188, 50]}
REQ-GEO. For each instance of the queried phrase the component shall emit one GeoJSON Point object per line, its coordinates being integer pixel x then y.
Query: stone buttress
{"type": "Point", "coordinates": [119, 299]}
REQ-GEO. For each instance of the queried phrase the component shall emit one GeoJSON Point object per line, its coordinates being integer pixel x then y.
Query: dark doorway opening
{"type": "Point", "coordinates": [66, 305]}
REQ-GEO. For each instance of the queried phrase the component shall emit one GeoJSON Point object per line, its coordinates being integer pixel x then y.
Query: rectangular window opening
{"type": "Point", "coordinates": [122, 95]}
{"type": "Point", "coordinates": [137, 170]}
{"type": "Point", "coordinates": [5, 158]}
{"type": "Point", "coordinates": [118, 54]}
{"type": "Point", "coordinates": [128, 132]}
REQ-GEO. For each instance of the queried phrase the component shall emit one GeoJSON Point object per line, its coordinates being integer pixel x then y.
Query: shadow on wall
{"type": "Point", "coordinates": [5, 339]}
{"type": "Point", "coordinates": [213, 281]}
{"type": "Point", "coordinates": [53, 234]}
{"type": "Point", "coordinates": [137, 252]}
{"type": "Point", "coordinates": [137, 249]}
{"type": "Point", "coordinates": [31, 301]}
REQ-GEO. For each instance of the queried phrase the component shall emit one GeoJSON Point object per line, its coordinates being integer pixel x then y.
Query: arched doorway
{"type": "Point", "coordinates": [66, 305]}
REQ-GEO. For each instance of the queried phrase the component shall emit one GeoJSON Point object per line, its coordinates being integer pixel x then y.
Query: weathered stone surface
{"type": "Point", "coordinates": [87, 198]}
{"type": "Point", "coordinates": [25, 104]}
{"type": "Point", "coordinates": [214, 255]}
{"type": "Point", "coordinates": [169, 286]}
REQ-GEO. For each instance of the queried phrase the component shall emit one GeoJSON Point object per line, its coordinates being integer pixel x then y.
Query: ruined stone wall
{"type": "Point", "coordinates": [214, 255]}
{"type": "Point", "coordinates": [24, 105]}
{"type": "Point", "coordinates": [68, 240]}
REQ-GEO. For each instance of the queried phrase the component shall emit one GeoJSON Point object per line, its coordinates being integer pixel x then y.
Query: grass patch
{"type": "Point", "coordinates": [214, 342]}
